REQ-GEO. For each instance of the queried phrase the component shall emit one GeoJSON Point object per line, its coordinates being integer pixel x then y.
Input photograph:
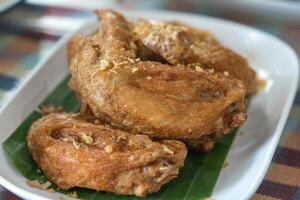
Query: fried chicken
{"type": "Point", "coordinates": [177, 43]}
{"type": "Point", "coordinates": [73, 152]}
{"type": "Point", "coordinates": [160, 100]}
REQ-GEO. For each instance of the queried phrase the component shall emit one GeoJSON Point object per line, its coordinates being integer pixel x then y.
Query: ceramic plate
{"type": "Point", "coordinates": [251, 152]}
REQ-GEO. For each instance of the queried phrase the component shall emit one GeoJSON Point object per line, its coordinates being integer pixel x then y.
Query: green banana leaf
{"type": "Point", "coordinates": [196, 179]}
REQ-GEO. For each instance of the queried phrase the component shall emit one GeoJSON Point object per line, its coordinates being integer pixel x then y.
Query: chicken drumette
{"type": "Point", "coordinates": [160, 100]}
{"type": "Point", "coordinates": [73, 152]}
{"type": "Point", "coordinates": [177, 43]}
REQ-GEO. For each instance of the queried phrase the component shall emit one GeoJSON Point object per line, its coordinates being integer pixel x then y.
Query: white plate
{"type": "Point", "coordinates": [251, 152]}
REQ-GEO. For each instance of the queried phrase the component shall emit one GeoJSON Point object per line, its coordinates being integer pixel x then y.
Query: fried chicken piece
{"type": "Point", "coordinates": [180, 44]}
{"type": "Point", "coordinates": [75, 153]}
{"type": "Point", "coordinates": [160, 100]}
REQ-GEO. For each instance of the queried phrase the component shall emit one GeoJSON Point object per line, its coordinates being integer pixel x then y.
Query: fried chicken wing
{"type": "Point", "coordinates": [160, 100]}
{"type": "Point", "coordinates": [75, 153]}
{"type": "Point", "coordinates": [177, 43]}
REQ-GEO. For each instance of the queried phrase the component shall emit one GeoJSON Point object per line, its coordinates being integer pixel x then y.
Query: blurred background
{"type": "Point", "coordinates": [30, 29]}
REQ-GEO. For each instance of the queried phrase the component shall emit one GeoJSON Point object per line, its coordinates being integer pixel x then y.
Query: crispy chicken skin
{"type": "Point", "coordinates": [160, 100]}
{"type": "Point", "coordinates": [177, 43]}
{"type": "Point", "coordinates": [75, 153]}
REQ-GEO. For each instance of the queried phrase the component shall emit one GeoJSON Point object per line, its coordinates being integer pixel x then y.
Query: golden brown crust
{"type": "Point", "coordinates": [159, 100]}
{"type": "Point", "coordinates": [180, 44]}
{"type": "Point", "coordinates": [75, 153]}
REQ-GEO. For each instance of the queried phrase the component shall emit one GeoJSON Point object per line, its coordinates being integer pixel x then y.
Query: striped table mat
{"type": "Point", "coordinates": [21, 47]}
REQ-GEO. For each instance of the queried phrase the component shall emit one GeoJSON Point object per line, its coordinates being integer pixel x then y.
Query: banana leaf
{"type": "Point", "coordinates": [196, 179]}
